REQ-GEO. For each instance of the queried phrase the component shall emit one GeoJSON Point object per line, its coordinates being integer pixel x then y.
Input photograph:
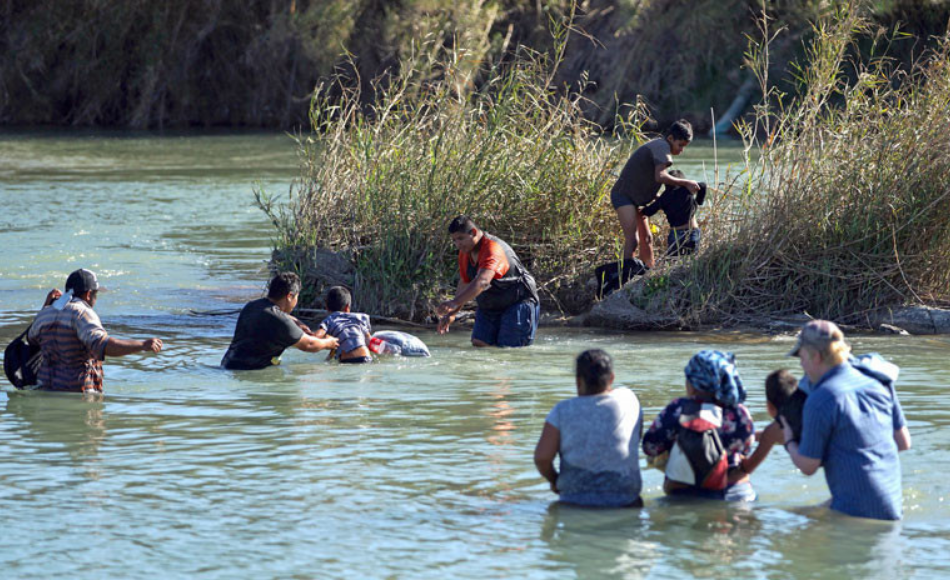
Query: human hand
{"type": "Point", "coordinates": [787, 433]}
{"type": "Point", "coordinates": [658, 461]}
{"type": "Point", "coordinates": [445, 322]}
{"type": "Point", "coordinates": [692, 186]}
{"type": "Point", "coordinates": [446, 308]}
{"type": "Point", "coordinates": [53, 296]}
{"type": "Point", "coordinates": [554, 487]}
{"type": "Point", "coordinates": [152, 344]}
{"type": "Point", "coordinates": [331, 342]}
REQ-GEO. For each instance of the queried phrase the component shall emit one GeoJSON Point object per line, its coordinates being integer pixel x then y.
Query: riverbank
{"type": "Point", "coordinates": [833, 209]}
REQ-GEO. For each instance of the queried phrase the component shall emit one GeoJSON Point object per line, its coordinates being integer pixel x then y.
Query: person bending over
{"type": "Point", "coordinates": [852, 426]}
{"type": "Point", "coordinates": [351, 328]}
{"type": "Point", "coordinates": [491, 274]}
{"type": "Point", "coordinates": [639, 182]}
{"type": "Point", "coordinates": [679, 204]}
{"type": "Point", "coordinates": [73, 341]}
{"type": "Point", "coordinates": [596, 434]}
{"type": "Point", "coordinates": [265, 328]}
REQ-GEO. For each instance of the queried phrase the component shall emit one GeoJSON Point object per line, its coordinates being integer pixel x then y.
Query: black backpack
{"type": "Point", "coordinates": [698, 456]}
{"type": "Point", "coordinates": [611, 277]}
{"type": "Point", "coordinates": [21, 361]}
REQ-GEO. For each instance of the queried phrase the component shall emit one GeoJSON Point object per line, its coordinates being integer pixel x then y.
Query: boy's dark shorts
{"type": "Point", "coordinates": [515, 326]}
{"type": "Point", "coordinates": [357, 361]}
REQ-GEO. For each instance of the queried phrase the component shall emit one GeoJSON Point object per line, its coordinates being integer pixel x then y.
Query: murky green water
{"type": "Point", "coordinates": [401, 469]}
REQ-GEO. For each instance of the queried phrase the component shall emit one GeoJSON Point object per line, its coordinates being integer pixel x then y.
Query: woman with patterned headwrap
{"type": "Point", "coordinates": [699, 440]}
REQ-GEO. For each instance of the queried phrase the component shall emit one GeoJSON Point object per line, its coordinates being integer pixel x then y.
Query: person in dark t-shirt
{"type": "Point", "coordinates": [491, 274]}
{"type": "Point", "coordinates": [639, 183]}
{"type": "Point", "coordinates": [679, 204]}
{"type": "Point", "coordinates": [265, 328]}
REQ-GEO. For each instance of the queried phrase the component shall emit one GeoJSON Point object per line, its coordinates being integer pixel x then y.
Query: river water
{"type": "Point", "coordinates": [400, 469]}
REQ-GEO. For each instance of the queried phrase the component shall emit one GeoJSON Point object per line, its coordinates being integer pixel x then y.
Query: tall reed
{"type": "Point", "coordinates": [847, 209]}
{"type": "Point", "coordinates": [382, 182]}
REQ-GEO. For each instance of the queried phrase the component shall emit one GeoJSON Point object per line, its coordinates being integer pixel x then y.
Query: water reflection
{"type": "Point", "coordinates": [830, 545]}
{"type": "Point", "coordinates": [712, 537]}
{"type": "Point", "coordinates": [406, 468]}
{"type": "Point", "coordinates": [71, 422]}
{"type": "Point", "coordinates": [600, 543]}
{"type": "Point", "coordinates": [501, 412]}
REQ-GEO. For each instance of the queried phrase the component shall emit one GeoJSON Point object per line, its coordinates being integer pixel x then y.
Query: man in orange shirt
{"type": "Point", "coordinates": [491, 274]}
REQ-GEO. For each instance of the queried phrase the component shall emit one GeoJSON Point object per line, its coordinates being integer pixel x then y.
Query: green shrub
{"type": "Point", "coordinates": [847, 208]}
{"type": "Point", "coordinates": [382, 182]}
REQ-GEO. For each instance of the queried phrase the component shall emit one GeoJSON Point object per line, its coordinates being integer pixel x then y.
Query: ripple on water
{"type": "Point", "coordinates": [401, 469]}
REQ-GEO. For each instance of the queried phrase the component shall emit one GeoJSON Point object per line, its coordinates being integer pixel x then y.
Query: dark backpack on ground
{"type": "Point", "coordinates": [21, 361]}
{"type": "Point", "coordinates": [611, 277]}
{"type": "Point", "coordinates": [698, 457]}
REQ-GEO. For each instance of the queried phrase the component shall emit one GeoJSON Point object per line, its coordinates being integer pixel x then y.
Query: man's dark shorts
{"type": "Point", "coordinates": [514, 326]}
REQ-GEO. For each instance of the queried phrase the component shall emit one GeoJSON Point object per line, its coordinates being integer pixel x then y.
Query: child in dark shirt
{"type": "Point", "coordinates": [351, 328]}
{"type": "Point", "coordinates": [783, 397]}
{"type": "Point", "coordinates": [679, 205]}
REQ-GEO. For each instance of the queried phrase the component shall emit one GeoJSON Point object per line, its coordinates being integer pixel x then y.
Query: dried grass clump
{"type": "Point", "coordinates": [382, 182]}
{"type": "Point", "coordinates": [847, 209]}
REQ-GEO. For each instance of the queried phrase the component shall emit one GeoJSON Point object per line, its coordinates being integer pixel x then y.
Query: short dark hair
{"type": "Point", "coordinates": [779, 387]}
{"type": "Point", "coordinates": [338, 298]}
{"type": "Point", "coordinates": [681, 130]}
{"type": "Point", "coordinates": [595, 368]}
{"type": "Point", "coordinates": [677, 173]}
{"type": "Point", "coordinates": [282, 284]}
{"type": "Point", "coordinates": [462, 223]}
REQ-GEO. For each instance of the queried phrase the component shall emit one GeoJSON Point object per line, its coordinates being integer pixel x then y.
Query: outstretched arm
{"type": "Point", "coordinates": [770, 436]}
{"type": "Point", "coordinates": [662, 176]}
{"type": "Point", "coordinates": [463, 293]}
{"type": "Point", "coordinates": [122, 347]}
{"type": "Point", "coordinates": [467, 292]}
{"type": "Point", "coordinates": [308, 343]}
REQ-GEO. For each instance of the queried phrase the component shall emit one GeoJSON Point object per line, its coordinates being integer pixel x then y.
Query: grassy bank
{"type": "Point", "coordinates": [843, 212]}
{"type": "Point", "coordinates": [381, 183]}
{"type": "Point", "coordinates": [847, 209]}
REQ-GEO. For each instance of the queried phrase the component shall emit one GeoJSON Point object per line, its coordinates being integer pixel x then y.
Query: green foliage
{"type": "Point", "coordinates": [152, 64]}
{"type": "Point", "coordinates": [382, 182]}
{"type": "Point", "coordinates": [850, 201]}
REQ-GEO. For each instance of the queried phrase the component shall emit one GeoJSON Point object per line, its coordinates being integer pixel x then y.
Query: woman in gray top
{"type": "Point", "coordinates": [639, 183]}
{"type": "Point", "coordinates": [597, 435]}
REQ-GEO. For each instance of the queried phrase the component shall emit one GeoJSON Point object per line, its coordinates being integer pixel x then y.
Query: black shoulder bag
{"type": "Point", "coordinates": [21, 361]}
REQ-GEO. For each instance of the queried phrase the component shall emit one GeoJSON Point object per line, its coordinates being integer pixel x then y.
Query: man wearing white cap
{"type": "Point", "coordinates": [852, 426]}
{"type": "Point", "coordinates": [72, 339]}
